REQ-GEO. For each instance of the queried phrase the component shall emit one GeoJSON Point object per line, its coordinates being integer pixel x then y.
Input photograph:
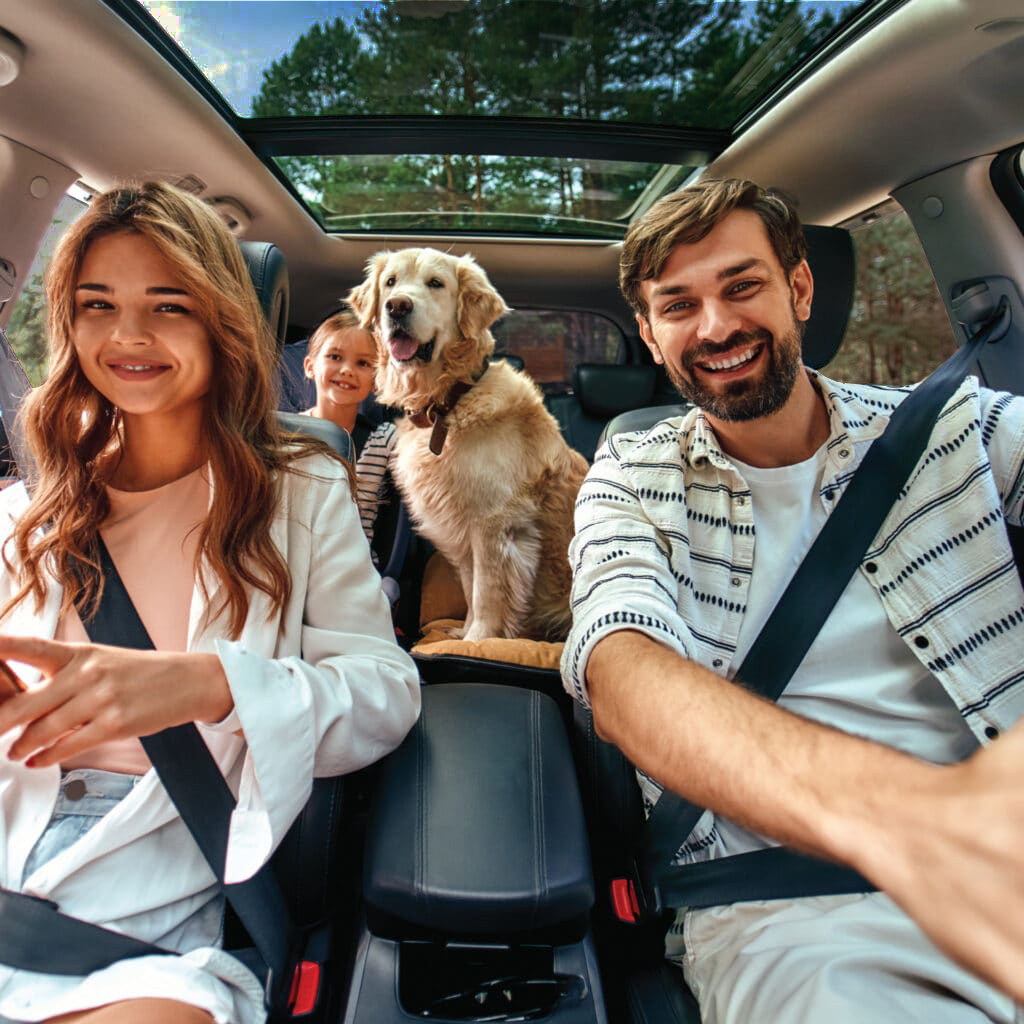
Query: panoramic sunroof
{"type": "Point", "coordinates": [696, 65]}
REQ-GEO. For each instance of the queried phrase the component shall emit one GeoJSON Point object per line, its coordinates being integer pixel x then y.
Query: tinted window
{"type": "Point", "coordinates": [898, 331]}
{"type": "Point", "coordinates": [551, 343]}
{"type": "Point", "coordinates": [27, 327]}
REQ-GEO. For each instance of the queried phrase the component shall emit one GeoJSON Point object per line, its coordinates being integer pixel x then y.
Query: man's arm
{"type": "Point", "coordinates": [945, 842]}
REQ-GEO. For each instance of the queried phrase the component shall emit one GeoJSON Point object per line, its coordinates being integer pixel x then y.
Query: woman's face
{"type": "Point", "coordinates": [343, 367]}
{"type": "Point", "coordinates": [137, 332]}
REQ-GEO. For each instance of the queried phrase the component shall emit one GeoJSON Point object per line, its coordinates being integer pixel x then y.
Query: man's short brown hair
{"type": "Point", "coordinates": [688, 215]}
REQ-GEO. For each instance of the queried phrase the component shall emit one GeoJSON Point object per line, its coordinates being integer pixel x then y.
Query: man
{"type": "Point", "coordinates": [880, 752]}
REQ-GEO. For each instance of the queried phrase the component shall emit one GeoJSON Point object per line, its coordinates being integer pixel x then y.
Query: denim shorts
{"type": "Point", "coordinates": [86, 795]}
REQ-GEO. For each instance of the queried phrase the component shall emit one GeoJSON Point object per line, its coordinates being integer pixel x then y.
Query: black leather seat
{"type": "Point", "coordinates": [307, 861]}
{"type": "Point", "coordinates": [600, 392]}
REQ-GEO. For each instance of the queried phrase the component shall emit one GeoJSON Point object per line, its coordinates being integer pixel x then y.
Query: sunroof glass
{"type": "Point", "coordinates": [528, 195]}
{"type": "Point", "coordinates": [696, 63]}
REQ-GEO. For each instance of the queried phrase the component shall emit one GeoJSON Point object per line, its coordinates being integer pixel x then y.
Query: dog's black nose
{"type": "Point", "coordinates": [398, 306]}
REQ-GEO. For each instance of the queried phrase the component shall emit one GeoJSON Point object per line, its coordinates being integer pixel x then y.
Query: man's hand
{"type": "Point", "coordinates": [946, 842]}
{"type": "Point", "coordinates": [952, 855]}
{"type": "Point", "coordinates": [93, 693]}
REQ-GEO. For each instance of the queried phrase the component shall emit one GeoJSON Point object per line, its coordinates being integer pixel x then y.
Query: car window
{"type": "Point", "coordinates": [898, 330]}
{"type": "Point", "coordinates": [26, 328]}
{"type": "Point", "coordinates": [552, 342]}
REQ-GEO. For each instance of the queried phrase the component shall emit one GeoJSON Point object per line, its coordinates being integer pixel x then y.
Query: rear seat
{"type": "Point", "coordinates": [601, 391]}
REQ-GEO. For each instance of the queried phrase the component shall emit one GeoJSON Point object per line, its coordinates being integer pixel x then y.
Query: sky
{"type": "Point", "coordinates": [232, 41]}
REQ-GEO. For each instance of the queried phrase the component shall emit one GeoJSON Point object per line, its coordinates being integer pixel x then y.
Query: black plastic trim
{"type": "Point", "coordinates": [493, 136]}
{"type": "Point", "coordinates": [1008, 184]}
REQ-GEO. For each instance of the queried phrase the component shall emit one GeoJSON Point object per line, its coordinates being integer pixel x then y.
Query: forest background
{"type": "Point", "coordinates": [694, 64]}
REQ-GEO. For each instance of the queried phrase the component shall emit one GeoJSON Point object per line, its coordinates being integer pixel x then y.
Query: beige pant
{"type": "Point", "coordinates": [830, 959]}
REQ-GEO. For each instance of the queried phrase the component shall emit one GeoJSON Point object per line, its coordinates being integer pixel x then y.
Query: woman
{"type": "Point", "coordinates": [243, 555]}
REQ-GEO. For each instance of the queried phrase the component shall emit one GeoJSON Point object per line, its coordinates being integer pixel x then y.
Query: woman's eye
{"type": "Point", "coordinates": [435, 283]}
{"type": "Point", "coordinates": [390, 283]}
{"type": "Point", "coordinates": [171, 307]}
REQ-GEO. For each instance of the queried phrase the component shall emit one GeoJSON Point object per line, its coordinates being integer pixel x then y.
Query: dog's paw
{"type": "Point", "coordinates": [480, 631]}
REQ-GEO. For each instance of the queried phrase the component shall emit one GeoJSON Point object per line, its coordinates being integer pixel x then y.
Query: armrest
{"type": "Point", "coordinates": [478, 828]}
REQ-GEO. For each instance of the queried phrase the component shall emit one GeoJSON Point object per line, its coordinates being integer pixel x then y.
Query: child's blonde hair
{"type": "Point", "coordinates": [343, 321]}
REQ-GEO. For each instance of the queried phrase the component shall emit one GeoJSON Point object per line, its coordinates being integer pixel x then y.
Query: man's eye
{"type": "Point", "coordinates": [390, 283]}
{"type": "Point", "coordinates": [743, 286]}
{"type": "Point", "coordinates": [435, 283]}
{"type": "Point", "coordinates": [679, 307]}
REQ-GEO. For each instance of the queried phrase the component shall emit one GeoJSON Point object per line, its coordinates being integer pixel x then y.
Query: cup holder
{"type": "Point", "coordinates": [466, 982]}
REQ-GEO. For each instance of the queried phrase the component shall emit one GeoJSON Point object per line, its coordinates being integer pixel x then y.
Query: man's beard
{"type": "Point", "coordinates": [747, 398]}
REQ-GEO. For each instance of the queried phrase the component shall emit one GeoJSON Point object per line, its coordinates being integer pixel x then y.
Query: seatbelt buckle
{"type": "Point", "coordinates": [634, 902]}
{"type": "Point", "coordinates": [305, 991]}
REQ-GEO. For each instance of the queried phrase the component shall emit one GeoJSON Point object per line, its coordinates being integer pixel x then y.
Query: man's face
{"type": "Point", "coordinates": [726, 321]}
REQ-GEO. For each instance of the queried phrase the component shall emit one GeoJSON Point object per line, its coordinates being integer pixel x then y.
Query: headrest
{"type": "Point", "coordinates": [604, 390]}
{"type": "Point", "coordinates": [516, 362]}
{"type": "Point", "coordinates": [833, 265]}
{"type": "Point", "coordinates": [270, 279]}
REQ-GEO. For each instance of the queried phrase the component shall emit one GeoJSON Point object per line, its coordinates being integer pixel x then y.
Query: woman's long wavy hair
{"type": "Point", "coordinates": [76, 435]}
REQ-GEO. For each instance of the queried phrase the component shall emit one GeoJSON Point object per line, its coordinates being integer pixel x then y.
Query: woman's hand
{"type": "Point", "coordinates": [93, 693]}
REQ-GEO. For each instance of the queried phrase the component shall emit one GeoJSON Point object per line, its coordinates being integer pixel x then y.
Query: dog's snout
{"type": "Point", "coordinates": [398, 306]}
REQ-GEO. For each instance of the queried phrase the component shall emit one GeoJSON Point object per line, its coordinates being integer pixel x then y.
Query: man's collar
{"type": "Point", "coordinates": [855, 412]}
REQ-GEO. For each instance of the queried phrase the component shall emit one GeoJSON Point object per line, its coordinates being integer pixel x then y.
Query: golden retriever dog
{"type": "Point", "coordinates": [480, 462]}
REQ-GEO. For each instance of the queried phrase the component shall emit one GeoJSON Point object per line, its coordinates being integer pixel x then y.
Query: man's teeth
{"type": "Point", "coordinates": [733, 361]}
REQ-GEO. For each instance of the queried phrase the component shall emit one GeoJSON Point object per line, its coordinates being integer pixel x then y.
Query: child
{"type": "Point", "coordinates": [341, 361]}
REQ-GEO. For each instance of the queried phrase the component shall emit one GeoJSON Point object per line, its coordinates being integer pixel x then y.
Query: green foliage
{"type": "Point", "coordinates": [699, 63]}
{"type": "Point", "coordinates": [26, 330]}
{"type": "Point", "coordinates": [898, 330]}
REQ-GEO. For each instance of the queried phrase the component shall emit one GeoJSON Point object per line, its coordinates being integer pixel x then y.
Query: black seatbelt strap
{"type": "Point", "coordinates": [782, 645]}
{"type": "Point", "coordinates": [197, 788]}
{"type": "Point", "coordinates": [36, 936]}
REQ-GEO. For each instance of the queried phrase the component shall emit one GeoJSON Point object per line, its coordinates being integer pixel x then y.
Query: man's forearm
{"type": "Point", "coordinates": [719, 745]}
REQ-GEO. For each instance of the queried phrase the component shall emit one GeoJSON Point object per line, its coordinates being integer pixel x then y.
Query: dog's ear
{"type": "Point", "coordinates": [364, 299]}
{"type": "Point", "coordinates": [479, 305]}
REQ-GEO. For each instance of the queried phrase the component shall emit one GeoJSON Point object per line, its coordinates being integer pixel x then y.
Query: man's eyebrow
{"type": "Point", "coordinates": [742, 268]}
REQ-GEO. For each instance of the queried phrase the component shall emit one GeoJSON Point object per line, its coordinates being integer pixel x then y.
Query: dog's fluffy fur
{"type": "Point", "coordinates": [498, 501]}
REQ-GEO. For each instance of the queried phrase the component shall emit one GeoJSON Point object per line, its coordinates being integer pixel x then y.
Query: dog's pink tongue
{"type": "Point", "coordinates": [403, 348]}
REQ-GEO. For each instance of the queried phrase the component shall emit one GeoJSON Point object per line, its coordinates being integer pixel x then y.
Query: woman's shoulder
{"type": "Point", "coordinates": [14, 500]}
{"type": "Point", "coordinates": [314, 468]}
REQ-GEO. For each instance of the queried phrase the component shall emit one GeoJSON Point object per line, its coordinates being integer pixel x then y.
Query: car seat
{"type": "Point", "coordinates": [310, 863]}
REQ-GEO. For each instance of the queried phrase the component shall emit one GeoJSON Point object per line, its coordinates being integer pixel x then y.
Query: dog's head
{"type": "Point", "coordinates": [430, 313]}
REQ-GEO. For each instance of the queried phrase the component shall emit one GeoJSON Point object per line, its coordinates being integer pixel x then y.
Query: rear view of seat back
{"type": "Point", "coordinates": [600, 392]}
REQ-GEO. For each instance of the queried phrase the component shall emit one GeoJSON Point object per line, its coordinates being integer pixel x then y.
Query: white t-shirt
{"type": "Point", "coordinates": [859, 675]}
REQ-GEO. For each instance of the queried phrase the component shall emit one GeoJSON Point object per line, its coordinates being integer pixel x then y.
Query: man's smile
{"type": "Point", "coordinates": [732, 362]}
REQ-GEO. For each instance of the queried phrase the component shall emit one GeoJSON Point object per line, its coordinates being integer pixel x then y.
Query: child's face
{"type": "Point", "coordinates": [343, 368]}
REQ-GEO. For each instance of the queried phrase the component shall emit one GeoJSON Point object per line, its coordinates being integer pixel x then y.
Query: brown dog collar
{"type": "Point", "coordinates": [436, 413]}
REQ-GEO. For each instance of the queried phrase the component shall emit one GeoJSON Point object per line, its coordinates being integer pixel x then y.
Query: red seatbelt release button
{"type": "Point", "coordinates": [305, 988]}
{"type": "Point", "coordinates": [624, 900]}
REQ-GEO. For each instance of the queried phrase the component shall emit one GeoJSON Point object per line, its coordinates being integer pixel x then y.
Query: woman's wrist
{"type": "Point", "coordinates": [213, 694]}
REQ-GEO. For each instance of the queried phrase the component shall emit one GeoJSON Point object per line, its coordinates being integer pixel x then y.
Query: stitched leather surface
{"type": "Point", "coordinates": [269, 274]}
{"type": "Point", "coordinates": [478, 827]}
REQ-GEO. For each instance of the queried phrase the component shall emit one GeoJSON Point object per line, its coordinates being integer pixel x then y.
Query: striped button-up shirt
{"type": "Point", "coordinates": [665, 540]}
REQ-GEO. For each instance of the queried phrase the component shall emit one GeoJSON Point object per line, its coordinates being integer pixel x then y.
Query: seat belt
{"type": "Point", "coordinates": [38, 937]}
{"type": "Point", "coordinates": [780, 647]}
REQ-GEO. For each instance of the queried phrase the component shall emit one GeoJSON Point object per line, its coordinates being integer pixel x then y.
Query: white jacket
{"type": "Point", "coordinates": [320, 689]}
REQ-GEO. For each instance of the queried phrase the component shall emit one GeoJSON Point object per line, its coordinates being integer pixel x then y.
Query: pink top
{"type": "Point", "coordinates": [153, 537]}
